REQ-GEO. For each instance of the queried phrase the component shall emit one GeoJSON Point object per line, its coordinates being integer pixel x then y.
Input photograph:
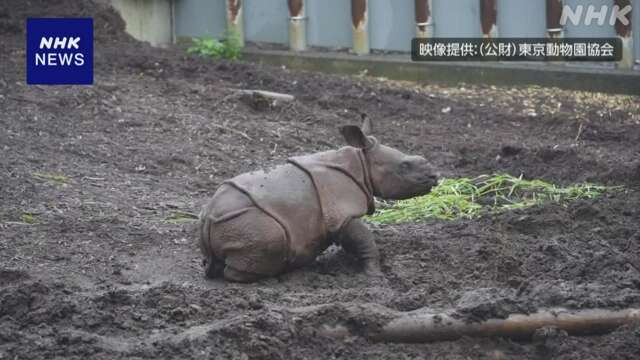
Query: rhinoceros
{"type": "Point", "coordinates": [264, 223]}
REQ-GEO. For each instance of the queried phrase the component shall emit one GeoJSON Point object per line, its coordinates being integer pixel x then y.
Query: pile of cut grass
{"type": "Point", "coordinates": [469, 198]}
{"type": "Point", "coordinates": [181, 217]}
{"type": "Point", "coordinates": [54, 178]}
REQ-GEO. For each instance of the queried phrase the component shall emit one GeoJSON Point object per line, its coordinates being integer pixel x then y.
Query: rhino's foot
{"type": "Point", "coordinates": [213, 267]}
{"type": "Point", "coordinates": [376, 277]}
{"type": "Point", "coordinates": [234, 275]}
{"type": "Point", "coordinates": [372, 268]}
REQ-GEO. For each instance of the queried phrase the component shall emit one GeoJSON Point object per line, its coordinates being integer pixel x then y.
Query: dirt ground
{"type": "Point", "coordinates": [93, 266]}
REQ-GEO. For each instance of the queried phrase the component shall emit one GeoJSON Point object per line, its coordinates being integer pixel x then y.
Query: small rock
{"type": "Point", "coordinates": [255, 303]}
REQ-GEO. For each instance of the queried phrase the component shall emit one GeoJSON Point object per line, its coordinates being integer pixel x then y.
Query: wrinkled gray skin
{"type": "Point", "coordinates": [261, 224]}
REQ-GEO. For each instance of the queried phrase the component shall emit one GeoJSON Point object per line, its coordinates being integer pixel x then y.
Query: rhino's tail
{"type": "Point", "coordinates": [213, 266]}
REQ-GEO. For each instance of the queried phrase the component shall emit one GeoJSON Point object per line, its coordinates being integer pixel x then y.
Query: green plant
{"type": "Point", "coordinates": [28, 217]}
{"type": "Point", "coordinates": [59, 179]}
{"type": "Point", "coordinates": [181, 217]}
{"type": "Point", "coordinates": [469, 198]}
{"type": "Point", "coordinates": [229, 48]}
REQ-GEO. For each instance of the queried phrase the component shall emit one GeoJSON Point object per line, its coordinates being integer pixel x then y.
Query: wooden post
{"type": "Point", "coordinates": [297, 25]}
{"type": "Point", "coordinates": [488, 18]}
{"type": "Point", "coordinates": [554, 14]}
{"type": "Point", "coordinates": [624, 33]}
{"type": "Point", "coordinates": [424, 19]}
{"type": "Point", "coordinates": [636, 41]}
{"type": "Point", "coordinates": [234, 19]}
{"type": "Point", "coordinates": [360, 20]}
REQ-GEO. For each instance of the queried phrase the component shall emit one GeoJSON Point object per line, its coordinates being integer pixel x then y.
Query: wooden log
{"type": "Point", "coordinates": [297, 25]}
{"type": "Point", "coordinates": [360, 20]}
{"type": "Point", "coordinates": [269, 95]}
{"type": "Point", "coordinates": [489, 18]}
{"type": "Point", "coordinates": [623, 30]}
{"type": "Point", "coordinates": [442, 327]}
{"type": "Point", "coordinates": [235, 22]}
{"type": "Point", "coordinates": [424, 19]}
{"type": "Point", "coordinates": [555, 30]}
{"type": "Point", "coordinates": [422, 327]}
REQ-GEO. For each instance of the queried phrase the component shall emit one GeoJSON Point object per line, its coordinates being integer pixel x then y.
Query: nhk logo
{"type": "Point", "coordinates": [577, 15]}
{"type": "Point", "coordinates": [63, 59]}
{"type": "Point", "coordinates": [59, 51]}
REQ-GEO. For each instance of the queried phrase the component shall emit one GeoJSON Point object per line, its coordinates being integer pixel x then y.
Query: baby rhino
{"type": "Point", "coordinates": [264, 223]}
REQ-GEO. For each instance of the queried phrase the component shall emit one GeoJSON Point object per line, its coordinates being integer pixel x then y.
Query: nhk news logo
{"type": "Point", "coordinates": [59, 51]}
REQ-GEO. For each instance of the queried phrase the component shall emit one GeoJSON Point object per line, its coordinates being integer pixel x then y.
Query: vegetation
{"type": "Point", "coordinates": [469, 198]}
{"type": "Point", "coordinates": [181, 217]}
{"type": "Point", "coordinates": [229, 48]}
{"type": "Point", "coordinates": [56, 178]}
{"type": "Point", "coordinates": [28, 217]}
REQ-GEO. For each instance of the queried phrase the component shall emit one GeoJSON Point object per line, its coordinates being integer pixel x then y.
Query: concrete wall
{"type": "Point", "coordinates": [266, 21]}
{"type": "Point", "coordinates": [391, 24]}
{"type": "Point", "coordinates": [147, 20]}
{"type": "Point", "coordinates": [199, 18]}
{"type": "Point", "coordinates": [329, 23]}
{"type": "Point", "coordinates": [522, 18]}
{"type": "Point", "coordinates": [459, 18]}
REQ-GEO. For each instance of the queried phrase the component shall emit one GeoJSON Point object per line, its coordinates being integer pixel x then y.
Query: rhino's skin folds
{"type": "Point", "coordinates": [263, 223]}
{"type": "Point", "coordinates": [267, 222]}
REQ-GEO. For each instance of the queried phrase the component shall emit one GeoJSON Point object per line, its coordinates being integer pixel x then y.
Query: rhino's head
{"type": "Point", "coordinates": [394, 175]}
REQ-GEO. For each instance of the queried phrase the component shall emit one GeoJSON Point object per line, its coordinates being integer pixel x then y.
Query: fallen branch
{"type": "Point", "coordinates": [269, 94]}
{"type": "Point", "coordinates": [244, 135]}
{"type": "Point", "coordinates": [386, 325]}
{"type": "Point", "coordinates": [429, 328]}
{"type": "Point", "coordinates": [15, 223]}
{"type": "Point", "coordinates": [579, 133]}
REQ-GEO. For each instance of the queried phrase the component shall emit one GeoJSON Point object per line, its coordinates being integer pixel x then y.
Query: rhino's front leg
{"type": "Point", "coordinates": [356, 238]}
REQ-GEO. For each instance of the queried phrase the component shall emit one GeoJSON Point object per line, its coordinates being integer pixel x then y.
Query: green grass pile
{"type": "Point", "coordinates": [469, 198]}
{"type": "Point", "coordinates": [181, 217]}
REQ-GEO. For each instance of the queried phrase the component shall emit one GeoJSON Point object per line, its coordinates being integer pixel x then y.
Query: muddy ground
{"type": "Point", "coordinates": [93, 265]}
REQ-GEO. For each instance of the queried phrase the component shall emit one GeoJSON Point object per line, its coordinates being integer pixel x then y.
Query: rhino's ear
{"type": "Point", "coordinates": [367, 125]}
{"type": "Point", "coordinates": [354, 136]}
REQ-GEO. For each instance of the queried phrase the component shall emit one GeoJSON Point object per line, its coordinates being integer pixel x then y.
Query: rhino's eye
{"type": "Point", "coordinates": [406, 166]}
